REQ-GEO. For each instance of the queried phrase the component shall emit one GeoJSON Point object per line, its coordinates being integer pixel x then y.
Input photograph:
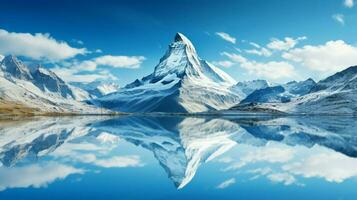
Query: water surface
{"type": "Point", "coordinates": [170, 157]}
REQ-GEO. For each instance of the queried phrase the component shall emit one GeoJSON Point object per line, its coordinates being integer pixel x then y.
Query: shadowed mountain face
{"type": "Point", "coordinates": [335, 95]}
{"type": "Point", "coordinates": [179, 144]}
{"type": "Point", "coordinates": [281, 93]}
{"type": "Point", "coordinates": [44, 79]}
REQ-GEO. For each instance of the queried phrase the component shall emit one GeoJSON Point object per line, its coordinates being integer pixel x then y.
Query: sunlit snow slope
{"type": "Point", "coordinates": [181, 82]}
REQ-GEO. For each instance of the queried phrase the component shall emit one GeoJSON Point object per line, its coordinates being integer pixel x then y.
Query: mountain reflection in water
{"type": "Point", "coordinates": [45, 149]}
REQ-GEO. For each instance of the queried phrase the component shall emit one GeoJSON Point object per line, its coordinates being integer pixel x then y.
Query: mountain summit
{"type": "Point", "coordinates": [15, 68]}
{"type": "Point", "coordinates": [38, 89]}
{"type": "Point", "coordinates": [181, 82]}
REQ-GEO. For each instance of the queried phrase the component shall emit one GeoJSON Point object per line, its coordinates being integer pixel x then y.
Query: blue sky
{"type": "Point", "coordinates": [124, 40]}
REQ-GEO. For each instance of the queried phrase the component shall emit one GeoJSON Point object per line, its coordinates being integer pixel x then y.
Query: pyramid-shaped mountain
{"type": "Point", "coordinates": [181, 82]}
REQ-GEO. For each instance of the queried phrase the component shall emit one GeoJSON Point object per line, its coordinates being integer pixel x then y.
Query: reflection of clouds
{"type": "Point", "coordinates": [260, 172]}
{"type": "Point", "coordinates": [226, 183]}
{"type": "Point", "coordinates": [270, 153]}
{"type": "Point", "coordinates": [97, 152]}
{"type": "Point", "coordinates": [119, 161]}
{"type": "Point", "coordinates": [107, 138]}
{"type": "Point", "coordinates": [284, 164]}
{"type": "Point", "coordinates": [276, 177]}
{"type": "Point", "coordinates": [333, 166]}
{"type": "Point", "coordinates": [35, 175]}
{"type": "Point", "coordinates": [225, 160]}
{"type": "Point", "coordinates": [285, 178]}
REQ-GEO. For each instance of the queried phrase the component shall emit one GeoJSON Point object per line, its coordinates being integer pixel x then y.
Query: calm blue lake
{"type": "Point", "coordinates": [170, 157]}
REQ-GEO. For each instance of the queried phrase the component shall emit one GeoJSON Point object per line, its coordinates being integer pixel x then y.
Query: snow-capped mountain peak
{"type": "Point", "coordinates": [181, 78]}
{"type": "Point", "coordinates": [12, 67]}
{"type": "Point", "coordinates": [180, 56]}
{"type": "Point", "coordinates": [39, 88]}
{"type": "Point", "coordinates": [179, 37]}
{"type": "Point", "coordinates": [338, 81]}
{"type": "Point", "coordinates": [280, 93]}
{"type": "Point", "coordinates": [245, 88]}
{"type": "Point", "coordinates": [181, 60]}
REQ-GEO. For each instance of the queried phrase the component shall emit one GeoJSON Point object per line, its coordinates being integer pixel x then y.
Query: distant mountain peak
{"type": "Point", "coordinates": [15, 68]}
{"type": "Point", "coordinates": [98, 88]}
{"type": "Point", "coordinates": [9, 57]}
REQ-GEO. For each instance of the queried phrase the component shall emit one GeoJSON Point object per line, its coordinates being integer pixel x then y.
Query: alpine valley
{"type": "Point", "coordinates": [181, 82]}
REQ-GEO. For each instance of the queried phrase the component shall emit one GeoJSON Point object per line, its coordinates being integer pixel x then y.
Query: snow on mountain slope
{"type": "Point", "coordinates": [39, 136]}
{"type": "Point", "coordinates": [335, 95]}
{"type": "Point", "coordinates": [181, 82]}
{"type": "Point", "coordinates": [15, 68]}
{"type": "Point", "coordinates": [39, 88]}
{"type": "Point", "coordinates": [97, 88]}
{"type": "Point", "coordinates": [281, 93]}
{"type": "Point", "coordinates": [180, 145]}
{"type": "Point", "coordinates": [243, 89]}
{"type": "Point", "coordinates": [334, 133]}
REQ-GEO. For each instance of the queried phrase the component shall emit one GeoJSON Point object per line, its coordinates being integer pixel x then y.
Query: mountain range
{"type": "Point", "coordinates": [334, 95]}
{"type": "Point", "coordinates": [39, 89]}
{"type": "Point", "coordinates": [181, 82]}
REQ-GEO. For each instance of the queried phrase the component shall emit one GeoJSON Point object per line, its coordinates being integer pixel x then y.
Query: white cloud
{"type": "Point", "coordinates": [332, 166]}
{"type": "Point", "coordinates": [1, 57]}
{"type": "Point", "coordinates": [286, 44]}
{"type": "Point", "coordinates": [120, 61]}
{"type": "Point", "coordinates": [109, 61]}
{"type": "Point", "coordinates": [119, 161]}
{"type": "Point", "coordinates": [237, 49]}
{"type": "Point", "coordinates": [226, 183]}
{"type": "Point", "coordinates": [260, 52]}
{"type": "Point", "coordinates": [330, 57]}
{"type": "Point", "coordinates": [72, 75]}
{"type": "Point", "coordinates": [224, 63]}
{"type": "Point", "coordinates": [340, 18]}
{"type": "Point", "coordinates": [87, 65]}
{"type": "Point", "coordinates": [96, 153]}
{"type": "Point", "coordinates": [34, 175]}
{"type": "Point", "coordinates": [349, 3]}
{"type": "Point", "coordinates": [285, 178]}
{"type": "Point", "coordinates": [269, 153]}
{"type": "Point", "coordinates": [262, 171]}
{"type": "Point", "coordinates": [225, 160]}
{"type": "Point", "coordinates": [235, 57]}
{"type": "Point", "coordinates": [37, 46]}
{"type": "Point", "coordinates": [271, 70]}
{"type": "Point", "coordinates": [255, 45]}
{"type": "Point", "coordinates": [226, 37]}
{"type": "Point", "coordinates": [107, 138]}
{"type": "Point", "coordinates": [77, 71]}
